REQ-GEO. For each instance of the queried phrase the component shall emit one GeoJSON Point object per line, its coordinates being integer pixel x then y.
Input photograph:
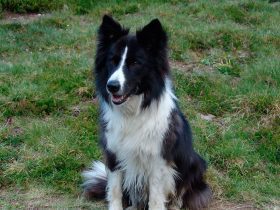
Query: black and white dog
{"type": "Point", "coordinates": [147, 142]}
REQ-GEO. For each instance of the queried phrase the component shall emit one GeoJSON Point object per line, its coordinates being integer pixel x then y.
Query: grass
{"type": "Point", "coordinates": [48, 118]}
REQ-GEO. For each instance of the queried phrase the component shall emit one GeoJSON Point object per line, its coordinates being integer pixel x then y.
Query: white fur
{"type": "Point", "coordinates": [114, 190]}
{"type": "Point", "coordinates": [136, 137]}
{"type": "Point", "coordinates": [118, 74]}
{"type": "Point", "coordinates": [97, 171]}
{"type": "Point", "coordinates": [161, 184]}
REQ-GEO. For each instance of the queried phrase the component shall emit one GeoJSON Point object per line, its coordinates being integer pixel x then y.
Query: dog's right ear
{"type": "Point", "coordinates": [152, 36]}
{"type": "Point", "coordinates": [110, 30]}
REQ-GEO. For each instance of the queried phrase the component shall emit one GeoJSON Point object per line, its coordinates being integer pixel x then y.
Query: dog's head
{"type": "Point", "coordinates": [129, 65]}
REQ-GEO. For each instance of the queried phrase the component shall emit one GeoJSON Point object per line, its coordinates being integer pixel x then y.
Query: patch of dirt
{"type": "Point", "coordinates": [224, 205]}
{"type": "Point", "coordinates": [45, 198]}
{"type": "Point", "coordinates": [9, 17]}
{"type": "Point", "coordinates": [190, 67]}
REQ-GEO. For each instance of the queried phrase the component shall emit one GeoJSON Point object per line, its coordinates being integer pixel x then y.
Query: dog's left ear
{"type": "Point", "coordinates": [110, 30]}
{"type": "Point", "coordinates": [152, 36]}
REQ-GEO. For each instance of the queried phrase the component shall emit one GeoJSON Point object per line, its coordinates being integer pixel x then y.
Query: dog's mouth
{"type": "Point", "coordinates": [119, 99]}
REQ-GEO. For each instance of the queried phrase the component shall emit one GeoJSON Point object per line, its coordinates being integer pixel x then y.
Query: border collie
{"type": "Point", "coordinates": [147, 142]}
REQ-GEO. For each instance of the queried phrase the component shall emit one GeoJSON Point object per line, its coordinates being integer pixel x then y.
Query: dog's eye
{"type": "Point", "coordinates": [132, 62]}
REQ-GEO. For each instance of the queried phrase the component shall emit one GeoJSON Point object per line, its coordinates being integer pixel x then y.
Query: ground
{"type": "Point", "coordinates": [225, 62]}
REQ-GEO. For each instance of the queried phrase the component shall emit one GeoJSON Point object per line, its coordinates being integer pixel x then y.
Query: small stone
{"type": "Point", "coordinates": [208, 117]}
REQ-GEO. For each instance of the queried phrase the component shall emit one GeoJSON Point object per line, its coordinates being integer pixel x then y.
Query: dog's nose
{"type": "Point", "coordinates": [113, 86]}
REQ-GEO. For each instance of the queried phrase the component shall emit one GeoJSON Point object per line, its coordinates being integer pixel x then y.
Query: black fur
{"type": "Point", "coordinates": [109, 32]}
{"type": "Point", "coordinates": [110, 157]}
{"type": "Point", "coordinates": [146, 69]}
{"type": "Point", "coordinates": [178, 151]}
{"type": "Point", "coordinates": [147, 62]}
{"type": "Point", "coordinates": [95, 190]}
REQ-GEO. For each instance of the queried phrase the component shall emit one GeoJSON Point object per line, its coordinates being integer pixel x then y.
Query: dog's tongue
{"type": "Point", "coordinates": [117, 98]}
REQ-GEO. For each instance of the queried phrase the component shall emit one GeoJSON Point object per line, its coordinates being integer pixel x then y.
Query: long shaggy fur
{"type": "Point", "coordinates": [95, 181]}
{"type": "Point", "coordinates": [147, 142]}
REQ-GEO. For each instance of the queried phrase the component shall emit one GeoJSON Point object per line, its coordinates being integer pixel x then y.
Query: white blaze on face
{"type": "Point", "coordinates": [118, 74]}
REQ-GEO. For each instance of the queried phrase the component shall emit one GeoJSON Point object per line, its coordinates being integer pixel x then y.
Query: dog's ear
{"type": "Point", "coordinates": [110, 30]}
{"type": "Point", "coordinates": [152, 36]}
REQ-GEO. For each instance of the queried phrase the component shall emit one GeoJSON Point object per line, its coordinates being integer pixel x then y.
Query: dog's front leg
{"type": "Point", "coordinates": [114, 190]}
{"type": "Point", "coordinates": [157, 196]}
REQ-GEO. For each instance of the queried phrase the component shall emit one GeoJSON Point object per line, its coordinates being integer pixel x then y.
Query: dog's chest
{"type": "Point", "coordinates": [137, 144]}
{"type": "Point", "coordinates": [136, 140]}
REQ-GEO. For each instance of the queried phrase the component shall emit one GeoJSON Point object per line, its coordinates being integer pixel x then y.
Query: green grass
{"type": "Point", "coordinates": [49, 122]}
